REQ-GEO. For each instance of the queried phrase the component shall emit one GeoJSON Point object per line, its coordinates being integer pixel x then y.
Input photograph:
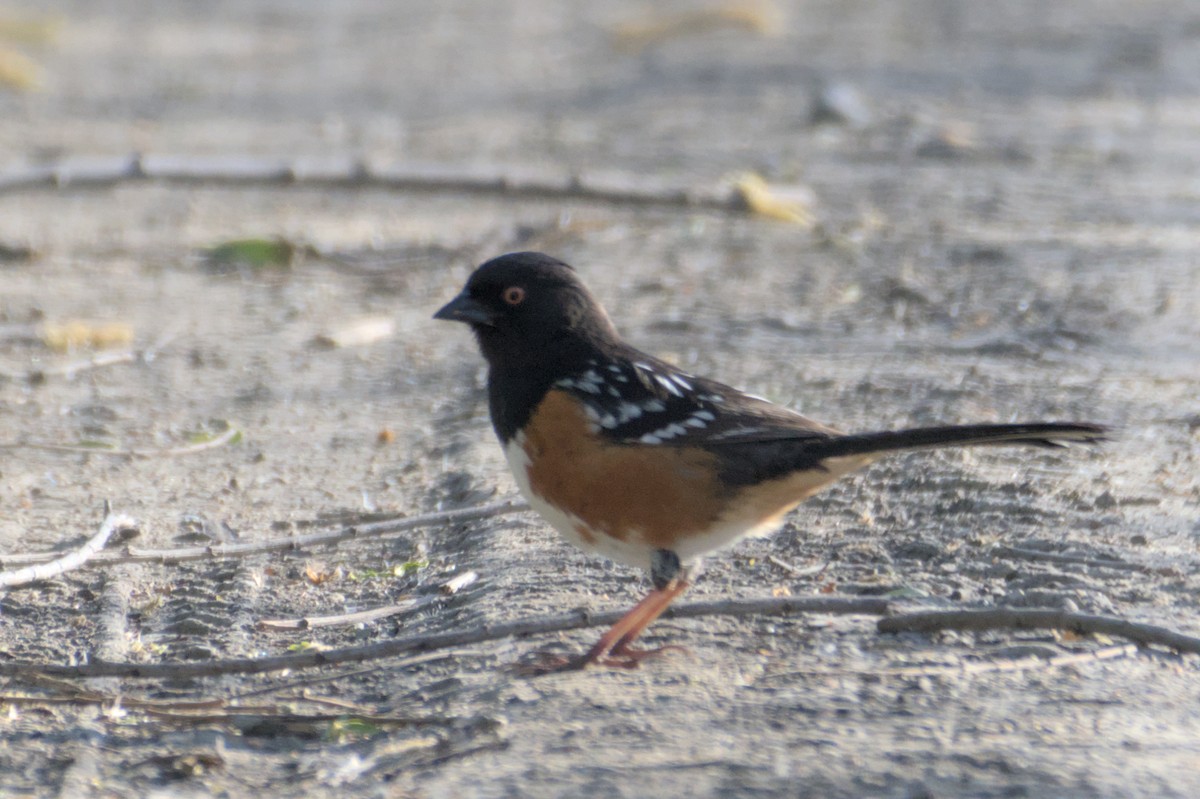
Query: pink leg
{"type": "Point", "coordinates": [613, 648]}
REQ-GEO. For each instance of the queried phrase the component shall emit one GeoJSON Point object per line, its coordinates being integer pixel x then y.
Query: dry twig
{"type": "Point", "coordinates": [98, 361]}
{"type": "Point", "coordinates": [797, 571]}
{"type": "Point", "coordinates": [775, 606]}
{"type": "Point", "coordinates": [459, 582]}
{"type": "Point", "coordinates": [82, 697]}
{"type": "Point", "coordinates": [73, 560]}
{"type": "Point", "coordinates": [223, 711]}
{"type": "Point", "coordinates": [1038, 619]}
{"type": "Point", "coordinates": [304, 683]}
{"type": "Point", "coordinates": [286, 543]}
{"type": "Point", "coordinates": [970, 667]}
{"type": "Point", "coordinates": [283, 722]}
{"type": "Point", "coordinates": [620, 189]}
{"type": "Point", "coordinates": [1020, 553]}
{"type": "Point", "coordinates": [228, 435]}
{"type": "Point", "coordinates": [343, 619]}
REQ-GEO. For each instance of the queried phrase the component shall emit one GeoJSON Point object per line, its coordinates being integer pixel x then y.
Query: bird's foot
{"type": "Point", "coordinates": [542, 663]}
{"type": "Point", "coordinates": [624, 657]}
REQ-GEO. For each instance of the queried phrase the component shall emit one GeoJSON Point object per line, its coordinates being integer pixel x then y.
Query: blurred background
{"type": "Point", "coordinates": [875, 133]}
{"type": "Point", "coordinates": [237, 217]}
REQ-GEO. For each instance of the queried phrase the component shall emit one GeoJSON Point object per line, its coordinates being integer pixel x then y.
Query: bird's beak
{"type": "Point", "coordinates": [465, 309]}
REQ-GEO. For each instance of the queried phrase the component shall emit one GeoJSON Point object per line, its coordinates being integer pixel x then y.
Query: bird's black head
{"type": "Point", "coordinates": [536, 323]}
{"type": "Point", "coordinates": [528, 308]}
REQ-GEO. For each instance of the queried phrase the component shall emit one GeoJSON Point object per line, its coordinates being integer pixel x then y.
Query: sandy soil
{"type": "Point", "coordinates": [1007, 215]}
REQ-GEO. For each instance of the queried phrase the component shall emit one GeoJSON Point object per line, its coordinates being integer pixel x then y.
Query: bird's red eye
{"type": "Point", "coordinates": [514, 295]}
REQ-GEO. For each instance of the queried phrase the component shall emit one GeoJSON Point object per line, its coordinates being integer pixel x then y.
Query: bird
{"type": "Point", "coordinates": [633, 458]}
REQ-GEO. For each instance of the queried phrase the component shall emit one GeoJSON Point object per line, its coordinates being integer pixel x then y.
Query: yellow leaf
{"type": "Point", "coordinates": [761, 199]}
{"type": "Point", "coordinates": [30, 29]}
{"type": "Point", "coordinates": [74, 334]}
{"type": "Point", "coordinates": [762, 18]}
{"type": "Point", "coordinates": [18, 72]}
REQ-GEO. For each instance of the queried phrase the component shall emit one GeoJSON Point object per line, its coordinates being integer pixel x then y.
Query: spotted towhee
{"type": "Point", "coordinates": [633, 458]}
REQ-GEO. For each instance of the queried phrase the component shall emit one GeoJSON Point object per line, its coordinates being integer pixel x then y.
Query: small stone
{"type": "Point", "coordinates": [841, 104]}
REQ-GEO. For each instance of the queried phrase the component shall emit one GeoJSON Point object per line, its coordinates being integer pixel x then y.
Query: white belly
{"type": "Point", "coordinates": [630, 552]}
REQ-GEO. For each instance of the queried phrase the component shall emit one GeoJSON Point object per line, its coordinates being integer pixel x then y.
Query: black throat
{"type": "Point", "coordinates": [519, 380]}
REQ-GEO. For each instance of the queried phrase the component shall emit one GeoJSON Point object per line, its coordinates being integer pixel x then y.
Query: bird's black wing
{"type": "Point", "coordinates": [641, 400]}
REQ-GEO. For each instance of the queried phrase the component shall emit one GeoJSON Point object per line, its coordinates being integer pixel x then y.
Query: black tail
{"type": "Point", "coordinates": [1038, 434]}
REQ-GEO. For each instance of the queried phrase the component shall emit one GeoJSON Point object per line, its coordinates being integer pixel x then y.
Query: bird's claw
{"type": "Point", "coordinates": [622, 657]}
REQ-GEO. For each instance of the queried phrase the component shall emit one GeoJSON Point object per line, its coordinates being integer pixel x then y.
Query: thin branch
{"type": "Point", "coordinates": [797, 571]}
{"type": "Point", "coordinates": [1020, 553]}
{"type": "Point", "coordinates": [329, 701]}
{"type": "Point", "coordinates": [343, 619]}
{"type": "Point", "coordinates": [247, 170]}
{"type": "Point", "coordinates": [286, 543]}
{"type": "Point", "coordinates": [459, 582]}
{"type": "Point", "coordinates": [1037, 619]}
{"type": "Point", "coordinates": [73, 560]}
{"type": "Point", "coordinates": [72, 693]}
{"type": "Point", "coordinates": [776, 606]}
{"type": "Point", "coordinates": [94, 698]}
{"type": "Point", "coordinates": [303, 722]}
{"type": "Point", "coordinates": [970, 667]}
{"type": "Point", "coordinates": [371, 614]}
{"type": "Point", "coordinates": [220, 710]}
{"type": "Point", "coordinates": [229, 435]}
{"type": "Point", "coordinates": [308, 682]}
{"type": "Point", "coordinates": [98, 361]}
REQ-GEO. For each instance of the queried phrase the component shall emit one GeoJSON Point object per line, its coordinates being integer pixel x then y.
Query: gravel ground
{"type": "Point", "coordinates": [1005, 204]}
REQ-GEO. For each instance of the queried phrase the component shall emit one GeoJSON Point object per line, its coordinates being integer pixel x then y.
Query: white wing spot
{"type": "Point", "coordinates": [737, 432]}
{"type": "Point", "coordinates": [650, 438]}
{"type": "Point", "coordinates": [627, 411]}
{"type": "Point", "coordinates": [666, 383]}
{"type": "Point", "coordinates": [593, 417]}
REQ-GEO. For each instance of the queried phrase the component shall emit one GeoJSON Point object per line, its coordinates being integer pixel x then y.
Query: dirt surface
{"type": "Point", "coordinates": [1007, 212]}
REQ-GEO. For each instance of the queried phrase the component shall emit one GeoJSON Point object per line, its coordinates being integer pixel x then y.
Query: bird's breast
{"type": "Point", "coordinates": [641, 496]}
